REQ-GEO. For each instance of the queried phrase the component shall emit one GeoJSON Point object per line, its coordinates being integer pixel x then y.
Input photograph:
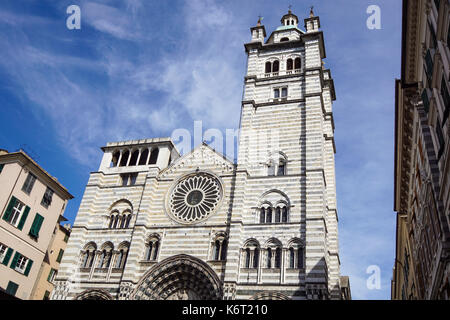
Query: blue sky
{"type": "Point", "coordinates": [140, 69]}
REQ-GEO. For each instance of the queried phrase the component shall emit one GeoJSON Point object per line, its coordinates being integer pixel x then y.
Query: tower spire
{"type": "Point", "coordinates": [311, 12]}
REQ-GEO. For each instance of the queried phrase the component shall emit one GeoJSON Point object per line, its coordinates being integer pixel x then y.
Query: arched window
{"type": "Point", "coordinates": [255, 258]}
{"type": "Point", "coordinates": [269, 215]}
{"type": "Point", "coordinates": [278, 215]}
{"type": "Point", "coordinates": [269, 258]}
{"type": "Point", "coordinates": [268, 67]}
{"type": "Point", "coordinates": [291, 258]}
{"type": "Point", "coordinates": [220, 247]}
{"type": "Point", "coordinates": [154, 156]}
{"type": "Point", "coordinates": [119, 259]}
{"type": "Point", "coordinates": [144, 157]}
{"type": "Point", "coordinates": [115, 159]}
{"type": "Point", "coordinates": [300, 258]}
{"type": "Point", "coordinates": [149, 248]}
{"type": "Point", "coordinates": [297, 63]}
{"type": "Point", "coordinates": [247, 258]}
{"type": "Point", "coordinates": [276, 66]}
{"type": "Point", "coordinates": [285, 214]}
{"type": "Point", "coordinates": [289, 64]}
{"type": "Point", "coordinates": [251, 254]}
{"type": "Point", "coordinates": [152, 248]}
{"type": "Point", "coordinates": [155, 251]}
{"type": "Point", "coordinates": [105, 256]}
{"type": "Point", "coordinates": [296, 255]}
{"type": "Point", "coordinates": [285, 39]}
{"type": "Point", "coordinates": [121, 256]}
{"type": "Point", "coordinates": [223, 253]}
{"type": "Point", "coordinates": [128, 221]}
{"type": "Point", "coordinates": [123, 220]}
{"type": "Point", "coordinates": [281, 168]}
{"type": "Point", "coordinates": [124, 160]}
{"type": "Point", "coordinates": [217, 250]}
{"type": "Point", "coordinates": [121, 214]}
{"type": "Point", "coordinates": [278, 258]}
{"type": "Point", "coordinates": [111, 220]}
{"type": "Point", "coordinates": [262, 215]}
{"type": "Point", "coordinates": [88, 255]}
{"type": "Point", "coordinates": [134, 157]}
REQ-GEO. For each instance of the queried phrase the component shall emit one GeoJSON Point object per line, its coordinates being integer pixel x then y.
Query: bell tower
{"type": "Point", "coordinates": [284, 215]}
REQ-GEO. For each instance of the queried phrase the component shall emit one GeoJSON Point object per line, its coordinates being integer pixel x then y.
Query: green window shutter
{"type": "Point", "coordinates": [12, 288]}
{"type": "Point", "coordinates": [14, 260]}
{"type": "Point", "coordinates": [1, 167]}
{"type": "Point", "coordinates": [7, 256]}
{"type": "Point", "coordinates": [36, 226]}
{"type": "Point", "coordinates": [11, 204]}
{"type": "Point", "coordinates": [49, 275]}
{"type": "Point", "coordinates": [60, 255]}
{"type": "Point", "coordinates": [28, 268]}
{"type": "Point", "coordinates": [24, 217]}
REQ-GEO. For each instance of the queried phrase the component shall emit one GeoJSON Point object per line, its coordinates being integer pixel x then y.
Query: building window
{"type": "Point", "coordinates": [12, 288]}
{"type": "Point", "coordinates": [66, 238]}
{"type": "Point", "coordinates": [289, 64]}
{"type": "Point", "coordinates": [129, 179]}
{"type": "Point", "coordinates": [60, 255]}
{"type": "Point", "coordinates": [154, 156]}
{"type": "Point", "coordinates": [152, 249]}
{"type": "Point", "coordinates": [296, 256]}
{"type": "Point", "coordinates": [29, 183]}
{"type": "Point", "coordinates": [1, 167]}
{"type": "Point", "coordinates": [272, 67]}
{"type": "Point", "coordinates": [297, 64]}
{"type": "Point", "coordinates": [144, 158]}
{"type": "Point", "coordinates": [36, 226]}
{"type": "Point", "coordinates": [88, 256]}
{"type": "Point", "coordinates": [280, 92]}
{"type": "Point", "coordinates": [219, 247]}
{"type": "Point", "coordinates": [52, 275]}
{"type": "Point", "coordinates": [124, 160]}
{"type": "Point", "coordinates": [46, 295]}
{"type": "Point", "coordinates": [251, 255]}
{"type": "Point", "coordinates": [21, 264]}
{"type": "Point", "coordinates": [16, 213]}
{"type": "Point", "coordinates": [2, 250]}
{"type": "Point", "coordinates": [47, 198]}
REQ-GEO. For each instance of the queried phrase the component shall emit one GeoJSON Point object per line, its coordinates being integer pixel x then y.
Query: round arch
{"type": "Point", "coordinates": [269, 295]}
{"type": "Point", "coordinates": [181, 277]}
{"type": "Point", "coordinates": [94, 294]}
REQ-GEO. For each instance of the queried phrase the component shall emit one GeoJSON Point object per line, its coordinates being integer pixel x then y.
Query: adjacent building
{"type": "Point", "coordinates": [153, 224]}
{"type": "Point", "coordinates": [32, 204]}
{"type": "Point", "coordinates": [50, 265]}
{"type": "Point", "coordinates": [422, 159]}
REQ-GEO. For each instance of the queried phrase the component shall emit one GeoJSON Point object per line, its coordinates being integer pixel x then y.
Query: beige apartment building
{"type": "Point", "coordinates": [50, 265]}
{"type": "Point", "coordinates": [422, 154]}
{"type": "Point", "coordinates": [32, 204]}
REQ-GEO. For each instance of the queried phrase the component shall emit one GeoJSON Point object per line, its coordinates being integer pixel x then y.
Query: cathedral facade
{"type": "Point", "coordinates": [153, 224]}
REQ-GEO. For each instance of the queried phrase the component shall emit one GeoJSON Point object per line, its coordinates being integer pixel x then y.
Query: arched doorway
{"type": "Point", "coordinates": [94, 294]}
{"type": "Point", "coordinates": [181, 277]}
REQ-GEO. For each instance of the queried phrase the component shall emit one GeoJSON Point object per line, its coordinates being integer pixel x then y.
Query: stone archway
{"type": "Point", "coordinates": [269, 295]}
{"type": "Point", "coordinates": [181, 277]}
{"type": "Point", "coordinates": [94, 294]}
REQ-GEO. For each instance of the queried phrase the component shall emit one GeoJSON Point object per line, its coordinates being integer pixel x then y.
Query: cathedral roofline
{"type": "Point", "coordinates": [126, 143]}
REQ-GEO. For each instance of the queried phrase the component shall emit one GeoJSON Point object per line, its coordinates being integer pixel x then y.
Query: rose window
{"type": "Point", "coordinates": [194, 198]}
